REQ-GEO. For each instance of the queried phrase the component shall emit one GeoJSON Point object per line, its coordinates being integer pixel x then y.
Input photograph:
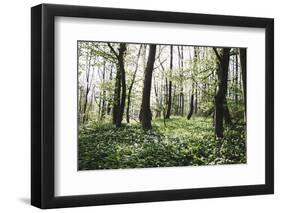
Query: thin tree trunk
{"type": "Point", "coordinates": [87, 89]}
{"type": "Point", "coordinates": [80, 104]}
{"type": "Point", "coordinates": [182, 103]}
{"type": "Point", "coordinates": [131, 86]}
{"type": "Point", "coordinates": [166, 98]}
{"type": "Point", "coordinates": [181, 83]}
{"type": "Point", "coordinates": [168, 114]}
{"type": "Point", "coordinates": [109, 102]}
{"type": "Point", "coordinates": [176, 105]}
{"type": "Point", "coordinates": [196, 99]}
{"type": "Point", "coordinates": [103, 93]}
{"type": "Point", "coordinates": [99, 105]}
{"type": "Point", "coordinates": [191, 106]}
{"type": "Point", "coordinates": [243, 58]}
{"type": "Point", "coordinates": [236, 79]}
{"type": "Point", "coordinates": [158, 105]}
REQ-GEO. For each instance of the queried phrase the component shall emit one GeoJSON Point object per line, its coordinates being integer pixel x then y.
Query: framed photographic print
{"type": "Point", "coordinates": [139, 106]}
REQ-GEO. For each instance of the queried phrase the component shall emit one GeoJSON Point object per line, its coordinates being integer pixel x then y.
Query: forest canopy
{"type": "Point", "coordinates": [154, 105]}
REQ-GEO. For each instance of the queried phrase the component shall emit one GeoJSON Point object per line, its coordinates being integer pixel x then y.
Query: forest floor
{"type": "Point", "coordinates": [177, 142]}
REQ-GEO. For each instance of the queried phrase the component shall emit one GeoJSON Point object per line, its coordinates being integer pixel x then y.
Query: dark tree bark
{"type": "Point", "coordinates": [116, 99]}
{"type": "Point", "coordinates": [191, 106]}
{"type": "Point", "coordinates": [182, 102]}
{"type": "Point", "coordinates": [168, 114]}
{"type": "Point", "coordinates": [145, 112]}
{"type": "Point", "coordinates": [196, 99]}
{"type": "Point", "coordinates": [131, 87]}
{"type": "Point", "coordinates": [120, 85]}
{"type": "Point", "coordinates": [227, 116]}
{"type": "Point", "coordinates": [181, 98]}
{"type": "Point", "coordinates": [220, 96]}
{"type": "Point", "coordinates": [123, 82]}
{"type": "Point", "coordinates": [243, 58]}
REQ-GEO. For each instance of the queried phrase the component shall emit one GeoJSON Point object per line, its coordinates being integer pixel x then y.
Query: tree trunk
{"type": "Point", "coordinates": [191, 106]}
{"type": "Point", "coordinates": [176, 103]}
{"type": "Point", "coordinates": [145, 112]}
{"type": "Point", "coordinates": [116, 100]}
{"type": "Point", "coordinates": [109, 103]}
{"type": "Point", "coordinates": [103, 93]}
{"type": "Point", "coordinates": [128, 107]}
{"type": "Point", "coordinates": [196, 99]}
{"type": "Point", "coordinates": [227, 116]}
{"type": "Point", "coordinates": [80, 105]}
{"type": "Point", "coordinates": [158, 104]}
{"type": "Point", "coordinates": [182, 102]}
{"type": "Point", "coordinates": [168, 114]}
{"type": "Point", "coordinates": [85, 117]}
{"type": "Point", "coordinates": [220, 96]}
{"type": "Point", "coordinates": [236, 79]}
{"type": "Point", "coordinates": [131, 87]}
{"type": "Point", "coordinates": [122, 50]}
{"type": "Point", "coordinates": [120, 85]}
{"type": "Point", "coordinates": [243, 58]}
{"type": "Point", "coordinates": [181, 98]}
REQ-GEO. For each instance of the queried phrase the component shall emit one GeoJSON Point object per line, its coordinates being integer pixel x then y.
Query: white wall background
{"type": "Point", "coordinates": [15, 105]}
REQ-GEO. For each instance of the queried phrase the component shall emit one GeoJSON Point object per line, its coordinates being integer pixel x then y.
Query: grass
{"type": "Point", "coordinates": [178, 142]}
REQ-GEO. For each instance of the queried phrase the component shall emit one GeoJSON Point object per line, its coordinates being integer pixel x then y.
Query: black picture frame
{"type": "Point", "coordinates": [43, 102]}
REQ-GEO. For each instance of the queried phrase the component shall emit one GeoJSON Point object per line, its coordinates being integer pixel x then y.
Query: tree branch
{"type": "Point", "coordinates": [160, 64]}
{"type": "Point", "coordinates": [112, 49]}
{"type": "Point", "coordinates": [217, 54]}
{"type": "Point", "coordinates": [105, 55]}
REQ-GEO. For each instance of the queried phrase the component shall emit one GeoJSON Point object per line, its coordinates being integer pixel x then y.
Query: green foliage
{"type": "Point", "coordinates": [180, 142]}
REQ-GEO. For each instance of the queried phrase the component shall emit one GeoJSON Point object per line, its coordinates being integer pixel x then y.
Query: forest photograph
{"type": "Point", "coordinates": [160, 105]}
